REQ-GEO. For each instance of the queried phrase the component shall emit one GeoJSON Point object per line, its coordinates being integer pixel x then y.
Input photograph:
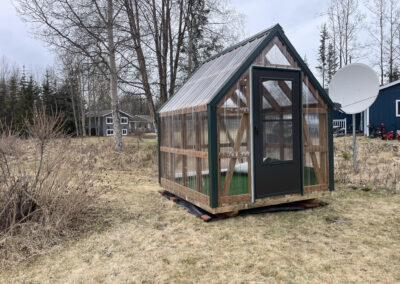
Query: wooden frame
{"type": "Point", "coordinates": [233, 142]}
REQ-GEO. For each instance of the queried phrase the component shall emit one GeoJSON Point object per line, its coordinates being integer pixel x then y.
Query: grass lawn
{"type": "Point", "coordinates": [136, 235]}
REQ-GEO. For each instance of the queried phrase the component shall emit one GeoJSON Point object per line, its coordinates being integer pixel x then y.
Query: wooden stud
{"type": "Point", "coordinates": [286, 89]}
{"type": "Point", "coordinates": [198, 148]}
{"type": "Point", "coordinates": [271, 99]}
{"type": "Point", "coordinates": [184, 192]}
{"type": "Point", "coordinates": [313, 90]}
{"type": "Point", "coordinates": [235, 198]}
{"type": "Point", "coordinates": [184, 146]}
{"type": "Point", "coordinates": [313, 156]}
{"type": "Point", "coordinates": [317, 187]}
{"type": "Point", "coordinates": [286, 53]}
{"type": "Point", "coordinates": [236, 147]}
{"type": "Point", "coordinates": [323, 142]}
{"type": "Point", "coordinates": [237, 155]}
{"type": "Point", "coordinates": [186, 152]}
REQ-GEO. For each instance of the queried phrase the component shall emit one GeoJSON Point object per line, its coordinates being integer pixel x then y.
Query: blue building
{"type": "Point", "coordinates": [385, 109]}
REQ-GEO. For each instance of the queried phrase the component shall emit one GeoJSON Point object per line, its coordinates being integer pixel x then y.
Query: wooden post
{"type": "Point", "coordinates": [323, 142]}
{"type": "Point", "coordinates": [198, 148]}
{"type": "Point", "coordinates": [312, 153]}
{"type": "Point", "coordinates": [184, 146]}
{"type": "Point", "coordinates": [236, 148]}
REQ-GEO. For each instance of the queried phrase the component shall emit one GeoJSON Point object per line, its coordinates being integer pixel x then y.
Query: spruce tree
{"type": "Point", "coordinates": [48, 95]}
{"type": "Point", "coordinates": [28, 96]}
{"type": "Point", "coordinates": [322, 54]}
{"type": "Point", "coordinates": [332, 62]}
{"type": "Point", "coordinates": [3, 96]}
{"type": "Point", "coordinates": [11, 101]}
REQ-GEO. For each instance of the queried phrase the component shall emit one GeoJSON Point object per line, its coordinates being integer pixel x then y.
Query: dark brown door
{"type": "Point", "coordinates": [276, 122]}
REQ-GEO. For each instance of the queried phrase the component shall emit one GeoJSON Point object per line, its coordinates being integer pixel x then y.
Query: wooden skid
{"type": "Point", "coordinates": [241, 202]}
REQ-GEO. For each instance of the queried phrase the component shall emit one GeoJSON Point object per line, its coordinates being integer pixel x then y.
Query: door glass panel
{"type": "Point", "coordinates": [277, 121]}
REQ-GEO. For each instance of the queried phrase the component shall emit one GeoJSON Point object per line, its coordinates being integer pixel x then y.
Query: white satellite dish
{"type": "Point", "coordinates": [355, 87]}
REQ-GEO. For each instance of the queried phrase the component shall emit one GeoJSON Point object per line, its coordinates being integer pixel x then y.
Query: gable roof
{"type": "Point", "coordinates": [389, 85]}
{"type": "Point", "coordinates": [210, 82]}
{"type": "Point", "coordinates": [103, 113]}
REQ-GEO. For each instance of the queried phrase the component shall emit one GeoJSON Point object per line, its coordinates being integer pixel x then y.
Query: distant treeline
{"type": "Point", "coordinates": [21, 96]}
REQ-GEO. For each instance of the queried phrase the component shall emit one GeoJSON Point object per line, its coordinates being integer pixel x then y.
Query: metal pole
{"type": "Point", "coordinates": [354, 143]}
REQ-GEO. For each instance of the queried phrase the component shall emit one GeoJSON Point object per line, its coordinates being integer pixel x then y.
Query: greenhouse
{"type": "Point", "coordinates": [251, 127]}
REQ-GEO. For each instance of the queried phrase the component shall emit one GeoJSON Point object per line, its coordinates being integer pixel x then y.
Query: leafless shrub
{"type": "Point", "coordinates": [44, 187]}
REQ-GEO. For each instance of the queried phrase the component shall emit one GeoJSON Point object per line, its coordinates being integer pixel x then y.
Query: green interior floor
{"type": "Point", "coordinates": [239, 183]}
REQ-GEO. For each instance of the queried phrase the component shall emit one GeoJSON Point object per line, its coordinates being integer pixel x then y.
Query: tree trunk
{"type": "Point", "coordinates": [113, 78]}
{"type": "Point", "coordinates": [89, 106]}
{"type": "Point", "coordinates": [71, 91]}
{"type": "Point", "coordinates": [81, 91]}
{"type": "Point", "coordinates": [134, 27]}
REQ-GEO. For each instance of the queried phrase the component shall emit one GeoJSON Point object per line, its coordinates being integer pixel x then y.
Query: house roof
{"type": "Point", "coordinates": [103, 113]}
{"type": "Point", "coordinates": [210, 80]}
{"type": "Point", "coordinates": [142, 118]}
{"type": "Point", "coordinates": [389, 85]}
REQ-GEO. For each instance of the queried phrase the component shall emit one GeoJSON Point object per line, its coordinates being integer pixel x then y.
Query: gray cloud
{"type": "Point", "coordinates": [301, 21]}
{"type": "Point", "coordinates": [17, 43]}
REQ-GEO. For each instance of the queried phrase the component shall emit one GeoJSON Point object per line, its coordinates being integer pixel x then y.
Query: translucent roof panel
{"type": "Point", "coordinates": [204, 84]}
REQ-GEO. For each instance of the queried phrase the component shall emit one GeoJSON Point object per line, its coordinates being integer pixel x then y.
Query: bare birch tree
{"type": "Point", "coordinates": [377, 32]}
{"type": "Point", "coordinates": [345, 22]}
{"type": "Point", "coordinates": [86, 27]}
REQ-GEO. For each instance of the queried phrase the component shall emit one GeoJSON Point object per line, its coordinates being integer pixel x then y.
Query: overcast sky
{"type": "Point", "coordinates": [16, 42]}
{"type": "Point", "coordinates": [300, 19]}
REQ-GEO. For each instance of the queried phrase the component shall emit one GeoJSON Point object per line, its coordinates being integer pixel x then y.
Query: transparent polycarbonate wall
{"type": "Point", "coordinates": [184, 150]}
{"type": "Point", "coordinates": [277, 121]}
{"type": "Point", "coordinates": [234, 141]}
{"type": "Point", "coordinates": [233, 113]}
{"type": "Point", "coordinates": [210, 77]}
{"type": "Point", "coordinates": [315, 119]}
{"type": "Point", "coordinates": [184, 126]}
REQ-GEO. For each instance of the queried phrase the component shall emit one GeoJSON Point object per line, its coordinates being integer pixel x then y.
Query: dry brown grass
{"type": "Point", "coordinates": [378, 164]}
{"type": "Point", "coordinates": [140, 236]}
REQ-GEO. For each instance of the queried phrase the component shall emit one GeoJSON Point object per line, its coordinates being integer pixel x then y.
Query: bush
{"type": "Point", "coordinates": [346, 155]}
{"type": "Point", "coordinates": [44, 189]}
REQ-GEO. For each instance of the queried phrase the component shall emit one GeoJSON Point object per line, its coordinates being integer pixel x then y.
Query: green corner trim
{"type": "Point", "coordinates": [213, 154]}
{"type": "Point", "coordinates": [301, 133]}
{"type": "Point", "coordinates": [330, 146]}
{"type": "Point", "coordinates": [158, 147]}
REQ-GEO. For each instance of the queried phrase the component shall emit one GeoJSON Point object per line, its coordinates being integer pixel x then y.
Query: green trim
{"type": "Point", "coordinates": [301, 134]}
{"type": "Point", "coordinates": [229, 49]}
{"type": "Point", "coordinates": [213, 154]}
{"type": "Point", "coordinates": [304, 67]}
{"type": "Point", "coordinates": [330, 146]}
{"type": "Point", "coordinates": [187, 79]}
{"type": "Point", "coordinates": [247, 63]}
{"type": "Point", "coordinates": [158, 146]}
{"type": "Point", "coordinates": [243, 42]}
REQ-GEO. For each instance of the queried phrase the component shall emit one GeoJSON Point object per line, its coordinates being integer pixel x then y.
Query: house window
{"type": "Point", "coordinates": [124, 120]}
{"type": "Point", "coordinates": [124, 131]}
{"type": "Point", "coordinates": [110, 132]}
{"type": "Point", "coordinates": [397, 108]}
{"type": "Point", "coordinates": [109, 120]}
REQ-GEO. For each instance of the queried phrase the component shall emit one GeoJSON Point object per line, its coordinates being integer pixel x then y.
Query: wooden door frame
{"type": "Point", "coordinates": [271, 68]}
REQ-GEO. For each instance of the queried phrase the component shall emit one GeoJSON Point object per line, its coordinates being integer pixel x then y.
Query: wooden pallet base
{"type": "Point", "coordinates": [274, 200]}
